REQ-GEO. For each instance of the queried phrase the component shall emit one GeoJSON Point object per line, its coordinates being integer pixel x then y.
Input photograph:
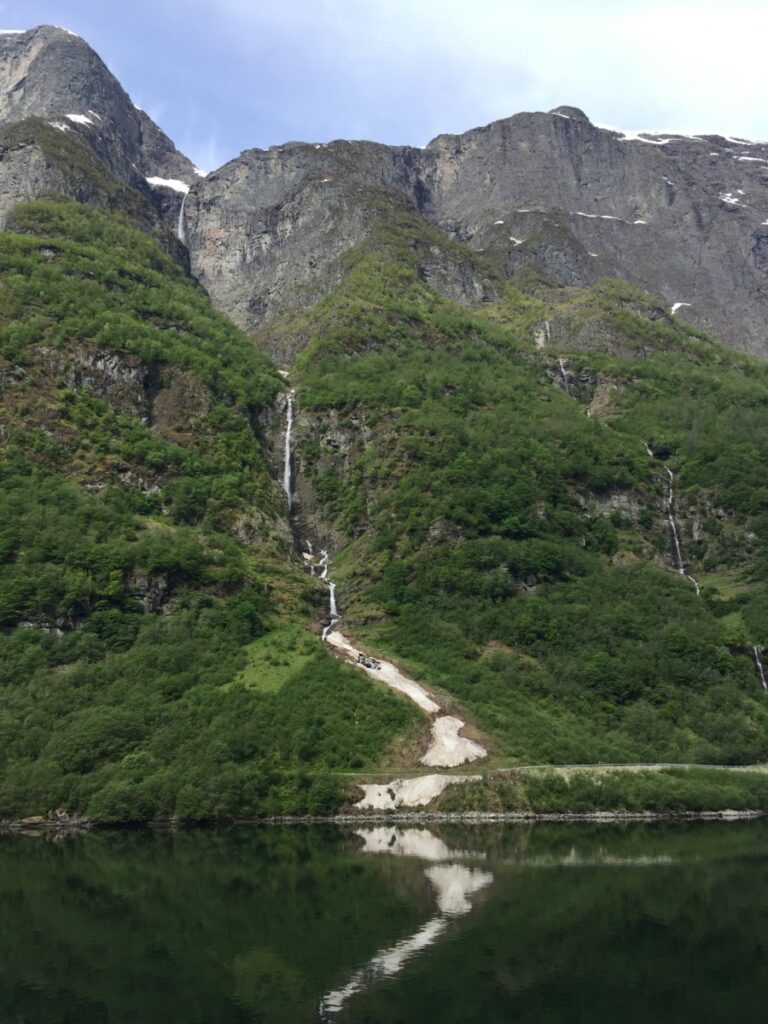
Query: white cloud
{"type": "Point", "coordinates": [638, 63]}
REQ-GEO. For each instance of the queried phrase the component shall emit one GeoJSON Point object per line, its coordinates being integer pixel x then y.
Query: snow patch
{"type": "Point", "coordinates": [67, 30]}
{"type": "Point", "coordinates": [59, 126]}
{"type": "Point", "coordinates": [78, 118]}
{"type": "Point", "coordinates": [174, 183]}
{"type": "Point", "coordinates": [517, 241]}
{"type": "Point", "coordinates": [639, 221]}
{"type": "Point", "coordinates": [498, 222]}
{"type": "Point", "coordinates": [597, 216]}
{"type": "Point", "coordinates": [448, 749]}
{"type": "Point", "coordinates": [12, 31]}
{"type": "Point", "coordinates": [387, 673]}
{"type": "Point", "coordinates": [729, 197]}
{"type": "Point", "coordinates": [678, 305]}
{"type": "Point", "coordinates": [751, 159]}
{"type": "Point", "coordinates": [416, 792]}
{"type": "Point", "coordinates": [199, 173]}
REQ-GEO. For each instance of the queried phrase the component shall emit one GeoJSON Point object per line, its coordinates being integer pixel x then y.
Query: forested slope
{"type": "Point", "coordinates": [147, 576]}
{"type": "Point", "coordinates": [517, 551]}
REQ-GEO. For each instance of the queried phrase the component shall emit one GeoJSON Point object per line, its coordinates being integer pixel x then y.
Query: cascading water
{"type": "Point", "coordinates": [564, 373]}
{"type": "Point", "coordinates": [759, 667]}
{"type": "Point", "coordinates": [672, 524]}
{"type": "Point", "coordinates": [681, 568]}
{"type": "Point", "coordinates": [180, 232]}
{"type": "Point", "coordinates": [333, 608]}
{"type": "Point", "coordinates": [287, 455]}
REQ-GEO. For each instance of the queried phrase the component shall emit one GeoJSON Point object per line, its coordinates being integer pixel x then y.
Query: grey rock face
{"type": "Point", "coordinates": [267, 231]}
{"type": "Point", "coordinates": [685, 218]}
{"type": "Point", "coordinates": [50, 73]}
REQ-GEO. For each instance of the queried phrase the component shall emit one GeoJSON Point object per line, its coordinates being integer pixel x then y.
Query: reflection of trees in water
{"type": "Point", "coordinates": [453, 885]}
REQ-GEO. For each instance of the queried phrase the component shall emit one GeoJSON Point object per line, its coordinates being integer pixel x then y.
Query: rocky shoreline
{"type": "Point", "coordinates": [64, 824]}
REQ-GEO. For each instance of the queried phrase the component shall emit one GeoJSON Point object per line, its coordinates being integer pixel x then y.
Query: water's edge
{"type": "Point", "coordinates": [397, 818]}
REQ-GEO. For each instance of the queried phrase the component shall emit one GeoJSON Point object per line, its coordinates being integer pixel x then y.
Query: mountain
{"type": "Point", "coordinates": [680, 216]}
{"type": "Point", "coordinates": [68, 127]}
{"type": "Point", "coordinates": [522, 473]}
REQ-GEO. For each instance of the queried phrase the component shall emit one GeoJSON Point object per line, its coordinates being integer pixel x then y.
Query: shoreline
{"type": "Point", "coordinates": [409, 818]}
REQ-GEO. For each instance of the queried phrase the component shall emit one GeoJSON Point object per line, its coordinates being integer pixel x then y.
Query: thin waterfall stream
{"type": "Point", "coordinates": [180, 232]}
{"type": "Point", "coordinates": [756, 651]}
{"type": "Point", "coordinates": [564, 373]}
{"type": "Point", "coordinates": [287, 484]}
{"type": "Point", "coordinates": [681, 566]}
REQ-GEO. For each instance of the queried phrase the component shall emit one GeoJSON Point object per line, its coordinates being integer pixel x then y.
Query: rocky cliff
{"type": "Point", "coordinates": [684, 217]}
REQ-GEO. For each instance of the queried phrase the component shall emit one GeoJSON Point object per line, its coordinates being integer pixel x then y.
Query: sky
{"type": "Point", "coordinates": [220, 76]}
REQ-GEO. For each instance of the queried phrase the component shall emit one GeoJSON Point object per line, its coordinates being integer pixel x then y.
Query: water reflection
{"type": "Point", "coordinates": [453, 885]}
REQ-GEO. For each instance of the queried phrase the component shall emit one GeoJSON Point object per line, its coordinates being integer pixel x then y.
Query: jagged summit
{"type": "Point", "coordinates": [50, 72]}
{"type": "Point", "coordinates": [683, 216]}
{"type": "Point", "coordinates": [571, 112]}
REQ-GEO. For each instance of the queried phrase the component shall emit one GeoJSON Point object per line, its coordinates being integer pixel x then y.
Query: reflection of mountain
{"type": "Point", "coordinates": [453, 884]}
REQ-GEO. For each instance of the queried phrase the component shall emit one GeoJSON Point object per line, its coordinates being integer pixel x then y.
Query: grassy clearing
{"type": "Point", "coordinates": [274, 658]}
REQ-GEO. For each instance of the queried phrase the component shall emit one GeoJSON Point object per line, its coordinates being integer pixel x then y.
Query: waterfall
{"type": "Point", "coordinates": [180, 232]}
{"type": "Point", "coordinates": [333, 610]}
{"type": "Point", "coordinates": [564, 372]}
{"type": "Point", "coordinates": [287, 456]}
{"type": "Point", "coordinates": [672, 524]}
{"type": "Point", "coordinates": [759, 667]}
{"type": "Point", "coordinates": [681, 567]}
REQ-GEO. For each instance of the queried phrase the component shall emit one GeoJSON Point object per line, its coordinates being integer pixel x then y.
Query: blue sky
{"type": "Point", "coordinates": [220, 76]}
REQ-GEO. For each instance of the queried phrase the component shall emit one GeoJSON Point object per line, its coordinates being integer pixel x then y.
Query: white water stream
{"type": "Point", "coordinates": [287, 484]}
{"type": "Point", "coordinates": [180, 232]}
{"type": "Point", "coordinates": [564, 372]}
{"type": "Point", "coordinates": [447, 747]}
{"type": "Point", "coordinates": [759, 667]}
{"type": "Point", "coordinates": [681, 567]}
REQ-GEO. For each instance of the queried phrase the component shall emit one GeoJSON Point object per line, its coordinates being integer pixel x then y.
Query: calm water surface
{"type": "Point", "coordinates": [541, 924]}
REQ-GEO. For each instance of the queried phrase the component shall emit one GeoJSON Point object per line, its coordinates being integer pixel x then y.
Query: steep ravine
{"type": "Point", "coordinates": [447, 748]}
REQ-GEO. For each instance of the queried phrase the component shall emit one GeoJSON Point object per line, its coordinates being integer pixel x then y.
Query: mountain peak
{"type": "Point", "coordinates": [573, 113]}
{"type": "Point", "coordinates": [51, 73]}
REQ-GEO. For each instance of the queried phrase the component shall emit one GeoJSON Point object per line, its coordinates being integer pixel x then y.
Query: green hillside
{"type": "Point", "coordinates": [515, 551]}
{"type": "Point", "coordinates": [159, 652]}
{"type": "Point", "coordinates": [144, 550]}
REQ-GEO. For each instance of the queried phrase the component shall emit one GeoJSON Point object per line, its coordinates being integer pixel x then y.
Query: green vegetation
{"type": "Point", "coordinates": [663, 791]}
{"type": "Point", "coordinates": [512, 551]}
{"type": "Point", "coordinates": [516, 550]}
{"type": "Point", "coordinates": [146, 589]}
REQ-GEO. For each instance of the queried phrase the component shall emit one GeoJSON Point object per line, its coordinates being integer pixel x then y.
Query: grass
{"type": "Point", "coordinates": [272, 659]}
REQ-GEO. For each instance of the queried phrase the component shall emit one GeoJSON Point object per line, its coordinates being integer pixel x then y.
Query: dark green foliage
{"type": "Point", "coordinates": [517, 546]}
{"type": "Point", "coordinates": [126, 604]}
{"type": "Point", "coordinates": [664, 791]}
